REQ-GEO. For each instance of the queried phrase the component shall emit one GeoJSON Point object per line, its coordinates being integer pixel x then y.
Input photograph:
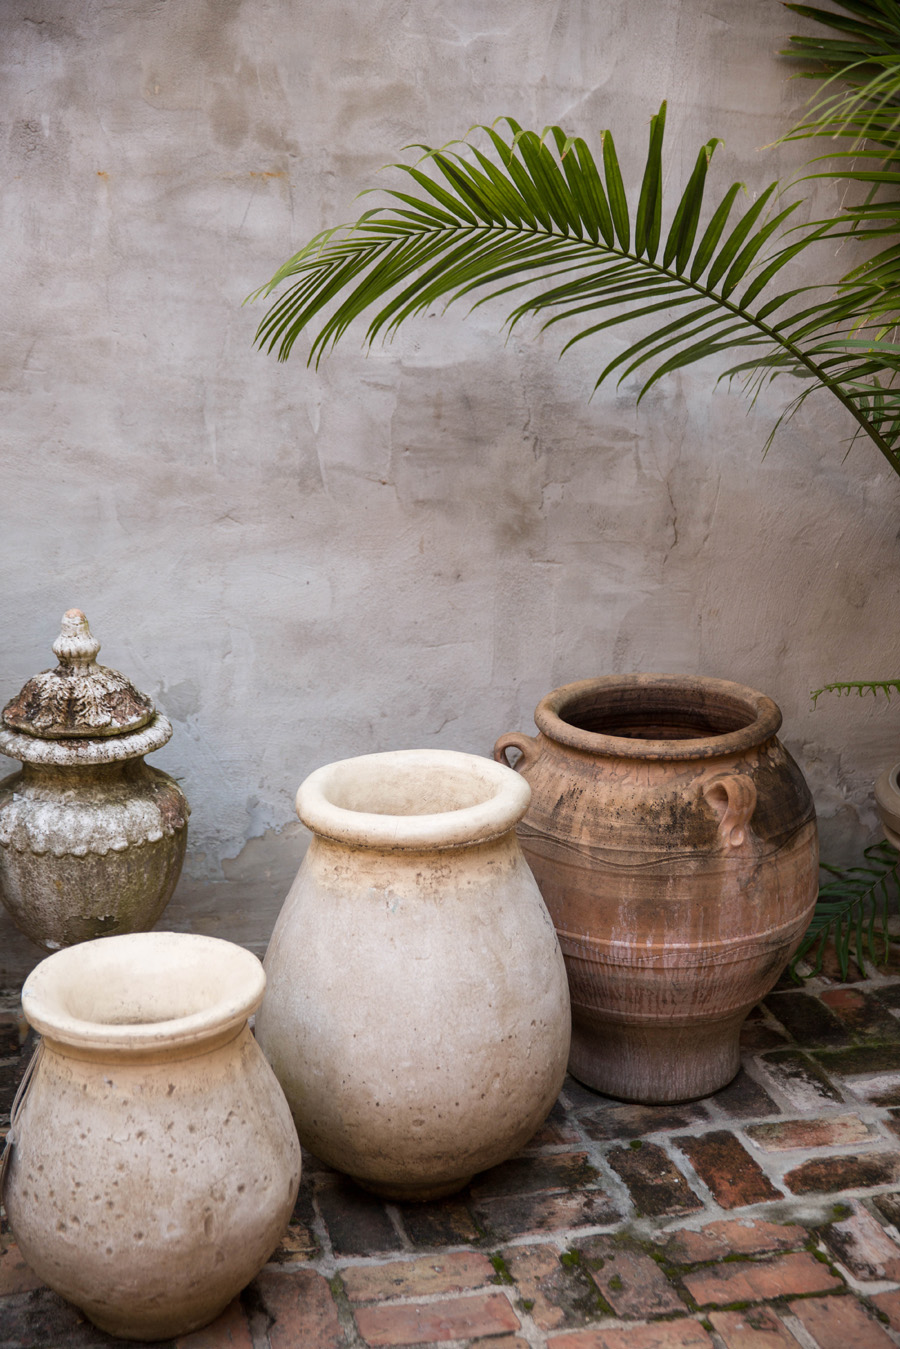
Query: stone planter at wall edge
{"type": "Point", "coordinates": [887, 803]}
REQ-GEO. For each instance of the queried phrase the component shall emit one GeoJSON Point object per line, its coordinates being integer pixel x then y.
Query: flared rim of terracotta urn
{"type": "Point", "coordinates": [658, 716]}
{"type": "Point", "coordinates": [413, 798]}
{"type": "Point", "coordinates": [143, 992]}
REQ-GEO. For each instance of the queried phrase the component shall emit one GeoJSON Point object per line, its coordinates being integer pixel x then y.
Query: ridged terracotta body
{"type": "Point", "coordinates": [674, 841]}
{"type": "Point", "coordinates": [416, 1014]}
{"type": "Point", "coordinates": [154, 1162]}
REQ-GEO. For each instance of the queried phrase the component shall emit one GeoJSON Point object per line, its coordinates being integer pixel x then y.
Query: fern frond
{"type": "Point", "coordinates": [854, 908]}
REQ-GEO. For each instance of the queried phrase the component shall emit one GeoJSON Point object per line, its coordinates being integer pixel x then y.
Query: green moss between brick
{"type": "Point", "coordinates": [591, 1301]}
{"type": "Point", "coordinates": [501, 1269]}
{"type": "Point", "coordinates": [652, 1249]}
{"type": "Point", "coordinates": [600, 1304]}
{"type": "Point", "coordinates": [873, 1056]}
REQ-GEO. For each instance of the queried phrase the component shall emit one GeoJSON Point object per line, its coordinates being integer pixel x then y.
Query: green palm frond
{"type": "Point", "coordinates": [854, 908]}
{"type": "Point", "coordinates": [537, 220]}
{"type": "Point", "coordinates": [859, 686]}
{"type": "Point", "coordinates": [857, 71]}
{"type": "Point", "coordinates": [859, 107]}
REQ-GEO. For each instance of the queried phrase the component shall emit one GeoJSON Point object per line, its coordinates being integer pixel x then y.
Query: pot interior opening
{"type": "Point", "coordinates": [657, 714]}
{"type": "Point", "coordinates": [375, 788]}
{"type": "Point", "coordinates": [138, 1001]}
{"type": "Point", "coordinates": [144, 980]}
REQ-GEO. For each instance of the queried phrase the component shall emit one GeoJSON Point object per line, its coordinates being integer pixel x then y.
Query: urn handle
{"type": "Point", "coordinates": [733, 798]}
{"type": "Point", "coordinates": [527, 745]}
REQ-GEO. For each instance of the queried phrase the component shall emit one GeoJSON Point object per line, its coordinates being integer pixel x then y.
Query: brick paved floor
{"type": "Point", "coordinates": [765, 1217]}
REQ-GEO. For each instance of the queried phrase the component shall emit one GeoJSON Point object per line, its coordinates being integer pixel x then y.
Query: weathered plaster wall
{"type": "Point", "coordinates": [409, 548]}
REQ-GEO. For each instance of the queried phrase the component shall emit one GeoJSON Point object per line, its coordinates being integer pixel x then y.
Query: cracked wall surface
{"type": "Point", "coordinates": [407, 548]}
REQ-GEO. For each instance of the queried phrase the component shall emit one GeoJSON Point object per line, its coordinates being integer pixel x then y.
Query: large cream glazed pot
{"type": "Point", "coordinates": [416, 1012]}
{"type": "Point", "coordinates": [674, 841]}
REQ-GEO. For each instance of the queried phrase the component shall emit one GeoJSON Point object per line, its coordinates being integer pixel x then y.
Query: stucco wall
{"type": "Point", "coordinates": [408, 548]}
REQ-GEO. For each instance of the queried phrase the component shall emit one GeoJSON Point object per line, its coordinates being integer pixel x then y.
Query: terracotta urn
{"type": "Point", "coordinates": [416, 1014]}
{"type": "Point", "coordinates": [154, 1164]}
{"type": "Point", "coordinates": [674, 841]}
{"type": "Point", "coordinates": [91, 838]}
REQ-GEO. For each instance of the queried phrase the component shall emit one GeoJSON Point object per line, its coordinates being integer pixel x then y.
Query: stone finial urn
{"type": "Point", "coordinates": [91, 838]}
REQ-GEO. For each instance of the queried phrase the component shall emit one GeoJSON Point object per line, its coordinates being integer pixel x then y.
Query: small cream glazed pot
{"type": "Point", "coordinates": [416, 1011]}
{"type": "Point", "coordinates": [154, 1164]}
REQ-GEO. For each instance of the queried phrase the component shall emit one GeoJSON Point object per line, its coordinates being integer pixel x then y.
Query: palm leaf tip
{"type": "Point", "coordinates": [843, 688]}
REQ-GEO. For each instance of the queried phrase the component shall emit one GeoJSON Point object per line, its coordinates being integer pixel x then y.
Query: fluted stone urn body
{"type": "Point", "coordinates": [91, 838]}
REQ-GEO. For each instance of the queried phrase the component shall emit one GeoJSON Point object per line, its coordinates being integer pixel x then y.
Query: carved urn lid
{"type": "Point", "coordinates": [78, 704]}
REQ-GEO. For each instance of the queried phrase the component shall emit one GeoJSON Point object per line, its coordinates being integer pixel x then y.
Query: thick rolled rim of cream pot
{"type": "Point", "coordinates": [413, 798]}
{"type": "Point", "coordinates": [143, 991]}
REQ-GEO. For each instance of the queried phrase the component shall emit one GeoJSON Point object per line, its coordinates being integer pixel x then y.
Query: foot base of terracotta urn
{"type": "Point", "coordinates": [655, 1065]}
